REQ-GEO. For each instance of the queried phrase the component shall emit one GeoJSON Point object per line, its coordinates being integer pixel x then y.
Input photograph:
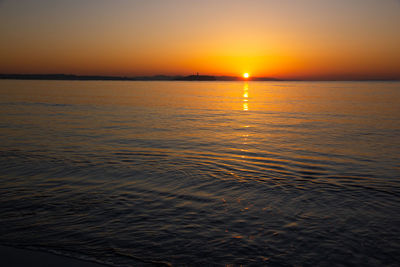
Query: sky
{"type": "Point", "coordinates": [307, 39]}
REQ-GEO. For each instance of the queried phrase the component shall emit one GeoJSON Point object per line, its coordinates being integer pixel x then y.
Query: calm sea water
{"type": "Point", "coordinates": [202, 173]}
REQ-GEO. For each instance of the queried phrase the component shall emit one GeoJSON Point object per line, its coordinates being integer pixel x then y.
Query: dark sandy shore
{"type": "Point", "coordinates": [15, 257]}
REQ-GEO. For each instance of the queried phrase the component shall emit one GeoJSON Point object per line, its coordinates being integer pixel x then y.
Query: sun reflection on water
{"type": "Point", "coordinates": [245, 96]}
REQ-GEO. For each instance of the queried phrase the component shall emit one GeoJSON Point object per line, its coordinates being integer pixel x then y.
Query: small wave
{"type": "Point", "coordinates": [150, 261]}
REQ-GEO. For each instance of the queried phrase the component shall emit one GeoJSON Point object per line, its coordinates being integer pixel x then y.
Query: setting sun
{"type": "Point", "coordinates": [246, 75]}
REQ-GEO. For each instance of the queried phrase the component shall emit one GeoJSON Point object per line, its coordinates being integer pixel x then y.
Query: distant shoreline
{"type": "Point", "coordinates": [72, 77]}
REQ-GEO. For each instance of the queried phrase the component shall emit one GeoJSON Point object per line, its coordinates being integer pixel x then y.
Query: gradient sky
{"type": "Point", "coordinates": [312, 39]}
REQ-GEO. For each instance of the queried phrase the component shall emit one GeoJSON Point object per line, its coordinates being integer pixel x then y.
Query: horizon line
{"type": "Point", "coordinates": [163, 77]}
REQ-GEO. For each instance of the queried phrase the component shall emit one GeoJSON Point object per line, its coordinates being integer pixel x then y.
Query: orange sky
{"type": "Point", "coordinates": [308, 39]}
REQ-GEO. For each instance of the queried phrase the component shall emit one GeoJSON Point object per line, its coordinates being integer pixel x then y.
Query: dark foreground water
{"type": "Point", "coordinates": [202, 173]}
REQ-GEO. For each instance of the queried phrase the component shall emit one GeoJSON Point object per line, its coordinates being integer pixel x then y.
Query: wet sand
{"type": "Point", "coordinates": [15, 257]}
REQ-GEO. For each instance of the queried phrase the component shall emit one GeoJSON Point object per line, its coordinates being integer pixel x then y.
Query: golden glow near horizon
{"type": "Point", "coordinates": [246, 75]}
{"type": "Point", "coordinates": [281, 39]}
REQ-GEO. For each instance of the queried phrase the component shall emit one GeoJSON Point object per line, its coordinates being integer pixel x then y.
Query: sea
{"type": "Point", "coordinates": [184, 173]}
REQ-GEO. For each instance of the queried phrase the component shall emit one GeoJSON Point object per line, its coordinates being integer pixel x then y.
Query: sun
{"type": "Point", "coordinates": [246, 75]}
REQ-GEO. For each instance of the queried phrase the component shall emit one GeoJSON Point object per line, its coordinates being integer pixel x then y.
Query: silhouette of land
{"type": "Point", "coordinates": [196, 77]}
{"type": "Point", "coordinates": [125, 78]}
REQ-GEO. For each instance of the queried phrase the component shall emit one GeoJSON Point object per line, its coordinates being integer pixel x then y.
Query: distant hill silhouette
{"type": "Point", "coordinates": [73, 77]}
{"type": "Point", "coordinates": [58, 77]}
